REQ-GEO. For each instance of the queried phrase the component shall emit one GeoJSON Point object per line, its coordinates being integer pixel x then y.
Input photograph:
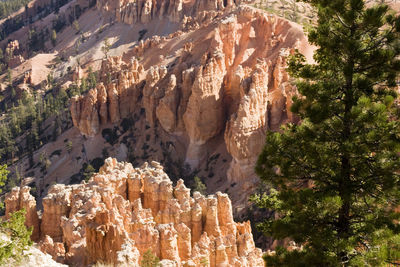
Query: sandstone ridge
{"type": "Point", "coordinates": [122, 212]}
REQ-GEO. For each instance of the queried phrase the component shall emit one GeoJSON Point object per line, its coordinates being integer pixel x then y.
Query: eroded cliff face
{"type": "Point", "coordinates": [222, 74]}
{"type": "Point", "coordinates": [122, 212]}
{"type": "Point", "coordinates": [143, 11]}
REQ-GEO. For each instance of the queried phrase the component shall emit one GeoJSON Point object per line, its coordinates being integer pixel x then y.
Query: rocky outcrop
{"type": "Point", "coordinates": [55, 249]}
{"type": "Point", "coordinates": [114, 97]}
{"type": "Point", "coordinates": [13, 54]}
{"type": "Point", "coordinates": [84, 113]}
{"type": "Point", "coordinates": [19, 198]}
{"type": "Point", "coordinates": [204, 116]}
{"type": "Point", "coordinates": [225, 78]}
{"type": "Point", "coordinates": [56, 205]}
{"type": "Point", "coordinates": [258, 111]}
{"type": "Point", "coordinates": [143, 11]}
{"type": "Point", "coordinates": [123, 212]}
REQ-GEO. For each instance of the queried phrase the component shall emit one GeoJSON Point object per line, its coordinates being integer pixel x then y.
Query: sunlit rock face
{"type": "Point", "coordinates": [222, 73]}
{"type": "Point", "coordinates": [122, 212]}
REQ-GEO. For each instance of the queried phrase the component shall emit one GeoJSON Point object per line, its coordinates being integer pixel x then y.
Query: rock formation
{"type": "Point", "coordinates": [123, 212]}
{"type": "Point", "coordinates": [224, 76]}
{"type": "Point", "coordinates": [13, 54]}
{"type": "Point", "coordinates": [143, 11]}
{"type": "Point", "coordinates": [18, 199]}
{"type": "Point", "coordinates": [114, 98]}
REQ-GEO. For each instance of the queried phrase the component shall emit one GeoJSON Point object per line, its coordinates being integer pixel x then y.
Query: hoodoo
{"type": "Point", "coordinates": [221, 75]}
{"type": "Point", "coordinates": [122, 212]}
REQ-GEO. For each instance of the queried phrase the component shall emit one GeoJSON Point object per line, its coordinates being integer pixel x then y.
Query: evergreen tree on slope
{"type": "Point", "coordinates": [334, 179]}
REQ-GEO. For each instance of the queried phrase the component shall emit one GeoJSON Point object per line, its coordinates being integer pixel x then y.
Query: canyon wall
{"type": "Point", "coordinates": [143, 11]}
{"type": "Point", "coordinates": [223, 73]}
{"type": "Point", "coordinates": [123, 212]}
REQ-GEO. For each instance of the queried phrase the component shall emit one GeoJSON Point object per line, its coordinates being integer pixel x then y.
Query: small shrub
{"type": "Point", "coordinates": [68, 146]}
{"type": "Point", "coordinates": [88, 172]}
{"type": "Point", "coordinates": [199, 186]}
{"type": "Point", "coordinates": [76, 26]}
{"type": "Point", "coordinates": [149, 259]}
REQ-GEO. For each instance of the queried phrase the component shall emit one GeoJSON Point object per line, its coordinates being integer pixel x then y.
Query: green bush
{"type": "Point", "coordinates": [88, 172]}
{"type": "Point", "coordinates": [199, 186]}
{"type": "Point", "coordinates": [19, 238]}
{"type": "Point", "coordinates": [149, 259]}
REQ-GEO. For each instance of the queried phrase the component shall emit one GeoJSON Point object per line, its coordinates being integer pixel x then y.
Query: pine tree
{"type": "Point", "coordinates": [106, 47]}
{"type": "Point", "coordinates": [333, 180]}
{"type": "Point", "coordinates": [17, 239]}
{"type": "Point", "coordinates": [199, 186]}
{"type": "Point", "coordinates": [76, 26]}
{"type": "Point", "coordinates": [92, 78]}
{"type": "Point", "coordinates": [3, 176]}
{"type": "Point", "coordinates": [53, 37]}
